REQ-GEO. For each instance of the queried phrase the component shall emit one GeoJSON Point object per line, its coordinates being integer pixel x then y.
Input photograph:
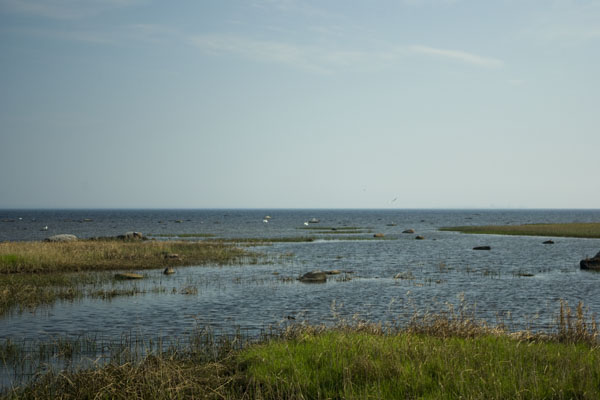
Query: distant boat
{"type": "Point", "coordinates": [306, 223]}
{"type": "Point", "coordinates": [313, 221]}
{"type": "Point", "coordinates": [267, 217]}
{"type": "Point", "coordinates": [44, 228]}
{"type": "Point", "coordinates": [265, 221]}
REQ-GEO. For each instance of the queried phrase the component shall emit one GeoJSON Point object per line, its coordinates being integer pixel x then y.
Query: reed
{"type": "Point", "coordinates": [577, 230]}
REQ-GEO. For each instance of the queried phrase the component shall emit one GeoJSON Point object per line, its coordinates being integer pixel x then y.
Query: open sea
{"type": "Point", "coordinates": [520, 281]}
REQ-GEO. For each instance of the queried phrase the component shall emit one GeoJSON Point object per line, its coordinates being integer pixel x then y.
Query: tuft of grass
{"type": "Point", "coordinates": [577, 230]}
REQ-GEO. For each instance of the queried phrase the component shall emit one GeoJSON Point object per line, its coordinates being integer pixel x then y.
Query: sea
{"type": "Point", "coordinates": [519, 283]}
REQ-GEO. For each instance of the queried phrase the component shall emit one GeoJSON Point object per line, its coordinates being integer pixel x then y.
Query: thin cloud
{"type": "Point", "coordinates": [305, 57]}
{"type": "Point", "coordinates": [462, 56]}
{"type": "Point", "coordinates": [325, 59]}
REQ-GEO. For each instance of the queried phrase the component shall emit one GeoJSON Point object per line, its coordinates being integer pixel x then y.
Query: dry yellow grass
{"type": "Point", "coordinates": [30, 257]}
{"type": "Point", "coordinates": [575, 229]}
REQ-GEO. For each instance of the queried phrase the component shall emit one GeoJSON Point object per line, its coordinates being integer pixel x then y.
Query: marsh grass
{"type": "Point", "coordinates": [182, 235]}
{"type": "Point", "coordinates": [446, 355]}
{"type": "Point", "coordinates": [43, 257]}
{"type": "Point", "coordinates": [577, 230]}
{"type": "Point", "coordinates": [38, 273]}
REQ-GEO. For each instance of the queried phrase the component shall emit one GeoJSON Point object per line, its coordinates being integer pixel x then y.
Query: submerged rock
{"type": "Point", "coordinates": [314, 277]}
{"type": "Point", "coordinates": [482, 248]}
{"type": "Point", "coordinates": [128, 275]}
{"type": "Point", "coordinates": [548, 242]}
{"type": "Point", "coordinates": [419, 237]}
{"type": "Point", "coordinates": [408, 231]}
{"type": "Point", "coordinates": [64, 237]}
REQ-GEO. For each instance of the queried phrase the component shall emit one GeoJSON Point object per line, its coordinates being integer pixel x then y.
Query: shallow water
{"type": "Point", "coordinates": [440, 269]}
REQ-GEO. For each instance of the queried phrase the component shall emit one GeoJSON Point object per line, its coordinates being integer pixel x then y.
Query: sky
{"type": "Point", "coordinates": [299, 104]}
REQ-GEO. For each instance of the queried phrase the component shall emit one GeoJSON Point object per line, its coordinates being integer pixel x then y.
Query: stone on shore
{"type": "Point", "coordinates": [132, 236]}
{"type": "Point", "coordinates": [64, 237]}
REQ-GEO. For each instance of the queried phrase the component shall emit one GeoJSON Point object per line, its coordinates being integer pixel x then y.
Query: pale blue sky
{"type": "Point", "coordinates": [284, 103]}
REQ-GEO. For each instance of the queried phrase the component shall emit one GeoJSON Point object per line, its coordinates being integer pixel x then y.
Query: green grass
{"type": "Point", "coordinates": [446, 356]}
{"type": "Point", "coordinates": [360, 365]}
{"type": "Point", "coordinates": [577, 230]}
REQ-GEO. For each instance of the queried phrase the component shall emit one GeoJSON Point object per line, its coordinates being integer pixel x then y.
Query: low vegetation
{"type": "Point", "coordinates": [89, 255]}
{"type": "Point", "coordinates": [181, 235]}
{"type": "Point", "coordinates": [577, 230]}
{"type": "Point", "coordinates": [37, 273]}
{"type": "Point", "coordinates": [434, 356]}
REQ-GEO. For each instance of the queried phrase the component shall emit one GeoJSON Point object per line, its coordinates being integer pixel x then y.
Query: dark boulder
{"type": "Point", "coordinates": [314, 277]}
{"type": "Point", "coordinates": [408, 231]}
{"type": "Point", "coordinates": [548, 242]}
{"type": "Point", "coordinates": [591, 263]}
{"type": "Point", "coordinates": [482, 248]}
{"type": "Point", "coordinates": [419, 237]}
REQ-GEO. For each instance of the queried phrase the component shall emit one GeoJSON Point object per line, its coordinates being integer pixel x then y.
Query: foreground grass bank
{"type": "Point", "coordinates": [442, 358]}
{"type": "Point", "coordinates": [35, 273]}
{"type": "Point", "coordinates": [577, 230]}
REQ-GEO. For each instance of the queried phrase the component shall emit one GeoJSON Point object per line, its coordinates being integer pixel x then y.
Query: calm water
{"type": "Point", "coordinates": [440, 269]}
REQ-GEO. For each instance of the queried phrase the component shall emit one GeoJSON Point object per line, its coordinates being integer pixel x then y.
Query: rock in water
{"type": "Point", "coordinates": [408, 231]}
{"type": "Point", "coordinates": [64, 237]}
{"type": "Point", "coordinates": [378, 235]}
{"type": "Point", "coordinates": [419, 237]}
{"type": "Point", "coordinates": [314, 277]}
{"type": "Point", "coordinates": [549, 242]}
{"type": "Point", "coordinates": [591, 263]}
{"type": "Point", "coordinates": [482, 248]}
{"type": "Point", "coordinates": [169, 271]}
